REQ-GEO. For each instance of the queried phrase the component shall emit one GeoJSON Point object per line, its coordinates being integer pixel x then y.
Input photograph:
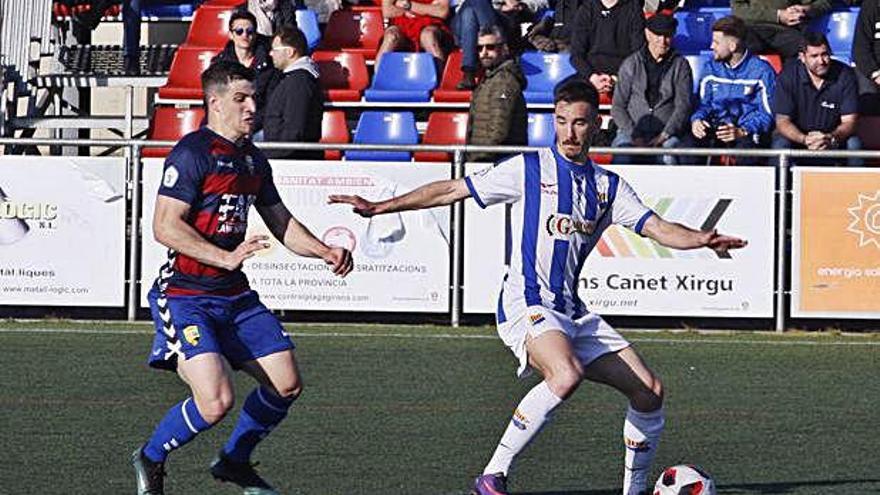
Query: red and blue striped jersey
{"type": "Point", "coordinates": [220, 180]}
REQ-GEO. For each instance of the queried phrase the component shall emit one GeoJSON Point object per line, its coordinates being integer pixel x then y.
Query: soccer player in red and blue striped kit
{"type": "Point", "coordinates": [205, 313]}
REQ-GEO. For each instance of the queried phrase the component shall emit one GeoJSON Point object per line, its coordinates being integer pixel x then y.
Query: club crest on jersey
{"type": "Point", "coordinates": [249, 161]}
{"type": "Point", "coordinates": [564, 226]}
{"type": "Point", "coordinates": [191, 334]}
{"type": "Point", "coordinates": [536, 318]}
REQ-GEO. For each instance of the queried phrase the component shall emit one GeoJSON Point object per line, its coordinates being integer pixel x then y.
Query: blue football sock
{"type": "Point", "coordinates": [262, 411]}
{"type": "Point", "coordinates": [180, 425]}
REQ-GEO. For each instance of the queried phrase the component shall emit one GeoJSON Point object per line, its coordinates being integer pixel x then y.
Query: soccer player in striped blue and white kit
{"type": "Point", "coordinates": [560, 205]}
{"type": "Point", "coordinates": [206, 315]}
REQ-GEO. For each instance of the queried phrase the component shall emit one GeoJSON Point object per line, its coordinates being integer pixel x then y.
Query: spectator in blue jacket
{"type": "Point", "coordinates": [735, 94]}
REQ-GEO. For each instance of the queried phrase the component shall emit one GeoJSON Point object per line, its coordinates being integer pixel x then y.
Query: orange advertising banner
{"type": "Point", "coordinates": [836, 245]}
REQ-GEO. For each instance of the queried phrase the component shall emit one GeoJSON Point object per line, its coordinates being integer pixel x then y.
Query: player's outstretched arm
{"type": "Point", "coordinates": [439, 193]}
{"type": "Point", "coordinates": [678, 236]}
{"type": "Point", "coordinates": [297, 238]}
{"type": "Point", "coordinates": [170, 229]}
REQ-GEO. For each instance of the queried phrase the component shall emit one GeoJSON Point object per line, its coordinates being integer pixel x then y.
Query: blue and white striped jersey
{"type": "Point", "coordinates": [559, 210]}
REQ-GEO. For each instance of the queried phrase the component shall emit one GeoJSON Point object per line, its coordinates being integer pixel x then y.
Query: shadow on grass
{"type": "Point", "coordinates": [782, 487]}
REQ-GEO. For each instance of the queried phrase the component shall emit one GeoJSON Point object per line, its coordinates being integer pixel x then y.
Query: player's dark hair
{"type": "Point", "coordinates": [814, 39]}
{"type": "Point", "coordinates": [731, 26]}
{"type": "Point", "coordinates": [292, 36]}
{"type": "Point", "coordinates": [242, 14]}
{"type": "Point", "coordinates": [222, 73]}
{"type": "Point", "coordinates": [575, 89]}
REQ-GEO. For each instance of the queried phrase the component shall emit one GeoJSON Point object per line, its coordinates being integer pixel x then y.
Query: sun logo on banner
{"type": "Point", "coordinates": [866, 220]}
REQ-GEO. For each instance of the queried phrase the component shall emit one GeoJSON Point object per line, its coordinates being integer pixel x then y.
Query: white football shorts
{"type": "Point", "coordinates": [591, 337]}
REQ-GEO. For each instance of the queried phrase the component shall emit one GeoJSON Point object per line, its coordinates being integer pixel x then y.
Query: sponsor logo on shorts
{"type": "Point", "coordinates": [191, 334]}
{"type": "Point", "coordinates": [519, 420]}
{"type": "Point", "coordinates": [634, 445]}
{"type": "Point", "coordinates": [536, 318]}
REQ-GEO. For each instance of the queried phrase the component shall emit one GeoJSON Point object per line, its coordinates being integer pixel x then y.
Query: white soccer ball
{"type": "Point", "coordinates": [684, 479]}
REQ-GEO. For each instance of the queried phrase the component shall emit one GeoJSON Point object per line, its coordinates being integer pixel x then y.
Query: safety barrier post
{"type": "Point", "coordinates": [457, 242]}
{"type": "Point", "coordinates": [135, 234]}
{"type": "Point", "coordinates": [781, 239]}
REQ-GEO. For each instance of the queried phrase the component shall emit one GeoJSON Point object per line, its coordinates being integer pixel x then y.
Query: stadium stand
{"type": "Point", "coordinates": [541, 131]}
{"type": "Point", "coordinates": [839, 27]}
{"type": "Point", "coordinates": [344, 76]}
{"type": "Point", "coordinates": [376, 127]}
{"type": "Point", "coordinates": [307, 21]}
{"type": "Point", "coordinates": [543, 71]}
{"type": "Point", "coordinates": [209, 27]}
{"type": "Point", "coordinates": [334, 129]}
{"type": "Point", "coordinates": [443, 128]}
{"type": "Point", "coordinates": [357, 32]}
{"type": "Point", "coordinates": [184, 78]}
{"type": "Point", "coordinates": [171, 124]}
{"type": "Point", "coordinates": [694, 32]}
{"type": "Point", "coordinates": [403, 76]}
{"type": "Point", "coordinates": [447, 91]}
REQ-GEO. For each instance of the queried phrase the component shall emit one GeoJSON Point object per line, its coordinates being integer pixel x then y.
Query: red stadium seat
{"type": "Point", "coordinates": [355, 32]}
{"type": "Point", "coordinates": [171, 124]}
{"type": "Point", "coordinates": [343, 75]}
{"type": "Point", "coordinates": [447, 91]}
{"type": "Point", "coordinates": [774, 60]}
{"type": "Point", "coordinates": [334, 130]}
{"type": "Point", "coordinates": [209, 27]}
{"type": "Point", "coordinates": [184, 77]}
{"type": "Point", "coordinates": [443, 128]}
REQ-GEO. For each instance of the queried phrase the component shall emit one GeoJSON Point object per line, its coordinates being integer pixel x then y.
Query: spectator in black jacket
{"type": "Point", "coordinates": [250, 49]}
{"type": "Point", "coordinates": [866, 54]}
{"type": "Point", "coordinates": [603, 34]}
{"type": "Point", "coordinates": [296, 106]}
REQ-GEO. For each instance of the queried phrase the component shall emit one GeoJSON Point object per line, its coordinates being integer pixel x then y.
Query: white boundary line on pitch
{"type": "Point", "coordinates": [450, 336]}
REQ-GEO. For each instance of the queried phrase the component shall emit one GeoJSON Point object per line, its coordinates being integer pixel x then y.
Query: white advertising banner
{"type": "Point", "coordinates": [62, 231]}
{"type": "Point", "coordinates": [630, 275]}
{"type": "Point", "coordinates": [401, 260]}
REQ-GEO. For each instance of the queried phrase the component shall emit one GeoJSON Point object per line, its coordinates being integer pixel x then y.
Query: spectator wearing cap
{"type": "Point", "coordinates": [735, 94]}
{"type": "Point", "coordinates": [603, 34]}
{"type": "Point", "coordinates": [816, 102]}
{"type": "Point", "coordinates": [866, 54]}
{"type": "Point", "coordinates": [652, 102]}
{"type": "Point", "coordinates": [778, 25]}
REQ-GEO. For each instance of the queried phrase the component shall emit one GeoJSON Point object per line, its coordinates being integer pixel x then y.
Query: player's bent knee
{"type": "Point", "coordinates": [565, 380]}
{"type": "Point", "coordinates": [291, 391]}
{"type": "Point", "coordinates": [649, 398]}
{"type": "Point", "coordinates": [215, 409]}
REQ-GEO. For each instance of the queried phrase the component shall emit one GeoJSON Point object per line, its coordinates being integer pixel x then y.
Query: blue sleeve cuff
{"type": "Point", "coordinates": [641, 223]}
{"type": "Point", "coordinates": [470, 186]}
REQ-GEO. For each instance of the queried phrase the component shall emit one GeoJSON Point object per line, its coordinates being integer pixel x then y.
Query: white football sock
{"type": "Point", "coordinates": [641, 436]}
{"type": "Point", "coordinates": [528, 419]}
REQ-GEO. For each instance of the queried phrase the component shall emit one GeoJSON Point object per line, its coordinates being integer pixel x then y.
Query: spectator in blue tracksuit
{"type": "Point", "coordinates": [736, 91]}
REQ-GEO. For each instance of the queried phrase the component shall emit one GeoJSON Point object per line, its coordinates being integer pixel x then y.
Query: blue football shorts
{"type": "Point", "coordinates": [239, 327]}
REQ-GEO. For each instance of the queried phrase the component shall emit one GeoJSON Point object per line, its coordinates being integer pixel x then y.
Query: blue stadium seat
{"type": "Point", "coordinates": [543, 72]}
{"type": "Point", "coordinates": [384, 128]}
{"type": "Point", "coordinates": [168, 9]}
{"type": "Point", "coordinates": [541, 131]}
{"type": "Point", "coordinates": [403, 76]}
{"type": "Point", "coordinates": [307, 22]}
{"type": "Point", "coordinates": [694, 33]}
{"type": "Point", "coordinates": [697, 63]}
{"type": "Point", "coordinates": [839, 26]}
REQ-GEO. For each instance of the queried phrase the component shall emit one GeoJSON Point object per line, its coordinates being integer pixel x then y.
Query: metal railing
{"type": "Point", "coordinates": [782, 157]}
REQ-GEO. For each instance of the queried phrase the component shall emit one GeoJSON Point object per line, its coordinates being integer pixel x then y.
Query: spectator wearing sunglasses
{"type": "Point", "coordinates": [250, 49]}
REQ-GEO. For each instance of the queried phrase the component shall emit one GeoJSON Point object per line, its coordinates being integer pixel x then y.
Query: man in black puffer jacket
{"type": "Point", "coordinates": [296, 106]}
